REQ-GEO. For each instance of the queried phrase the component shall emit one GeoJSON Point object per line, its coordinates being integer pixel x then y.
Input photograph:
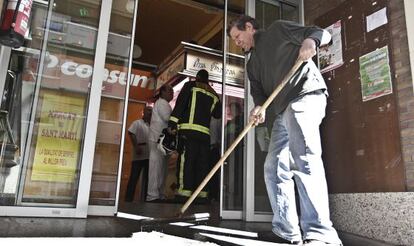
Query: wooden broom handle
{"type": "Point", "coordinates": [262, 109]}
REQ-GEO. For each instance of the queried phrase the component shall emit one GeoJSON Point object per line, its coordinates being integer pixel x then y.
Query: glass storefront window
{"type": "Point", "coordinates": [54, 72]}
{"type": "Point", "coordinates": [55, 154]}
{"type": "Point", "coordinates": [267, 11]}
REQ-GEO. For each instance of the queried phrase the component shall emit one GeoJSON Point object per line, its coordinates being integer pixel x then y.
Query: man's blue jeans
{"type": "Point", "coordinates": [294, 157]}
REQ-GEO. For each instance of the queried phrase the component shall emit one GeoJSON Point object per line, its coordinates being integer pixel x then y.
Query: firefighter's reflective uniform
{"type": "Point", "coordinates": [195, 105]}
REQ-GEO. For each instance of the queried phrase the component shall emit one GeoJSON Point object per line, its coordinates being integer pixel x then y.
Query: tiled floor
{"type": "Point", "coordinates": [121, 227]}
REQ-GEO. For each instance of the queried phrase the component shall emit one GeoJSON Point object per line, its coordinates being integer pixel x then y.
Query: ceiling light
{"type": "Point", "coordinates": [137, 52]}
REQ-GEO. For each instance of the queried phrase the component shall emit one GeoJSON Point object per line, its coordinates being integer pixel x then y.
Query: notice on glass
{"type": "Point", "coordinates": [58, 138]}
{"type": "Point", "coordinates": [374, 69]}
{"type": "Point", "coordinates": [377, 19]}
{"type": "Point", "coordinates": [330, 56]}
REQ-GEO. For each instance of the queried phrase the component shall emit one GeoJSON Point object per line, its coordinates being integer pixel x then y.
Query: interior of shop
{"type": "Point", "coordinates": [55, 64]}
{"type": "Point", "coordinates": [190, 29]}
{"type": "Point", "coordinates": [47, 94]}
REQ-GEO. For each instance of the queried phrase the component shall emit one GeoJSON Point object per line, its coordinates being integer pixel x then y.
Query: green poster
{"type": "Point", "coordinates": [374, 69]}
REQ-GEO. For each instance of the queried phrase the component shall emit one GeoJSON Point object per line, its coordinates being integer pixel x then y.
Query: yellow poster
{"type": "Point", "coordinates": [58, 138]}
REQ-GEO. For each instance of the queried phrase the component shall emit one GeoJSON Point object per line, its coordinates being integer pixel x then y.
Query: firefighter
{"type": "Point", "coordinates": [195, 105]}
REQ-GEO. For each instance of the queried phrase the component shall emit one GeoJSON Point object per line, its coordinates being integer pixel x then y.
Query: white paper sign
{"type": "Point", "coordinates": [377, 19]}
{"type": "Point", "coordinates": [330, 56]}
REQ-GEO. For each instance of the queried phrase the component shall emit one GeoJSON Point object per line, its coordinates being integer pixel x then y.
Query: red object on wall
{"type": "Point", "coordinates": [15, 22]}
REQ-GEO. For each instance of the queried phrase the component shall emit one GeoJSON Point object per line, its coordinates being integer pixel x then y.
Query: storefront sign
{"type": "Point", "coordinates": [374, 69]}
{"type": "Point", "coordinates": [214, 65]}
{"type": "Point", "coordinates": [58, 138]}
{"type": "Point", "coordinates": [72, 72]}
{"type": "Point", "coordinates": [189, 62]}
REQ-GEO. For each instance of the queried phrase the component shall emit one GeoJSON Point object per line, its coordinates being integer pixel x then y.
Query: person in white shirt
{"type": "Point", "coordinates": [138, 132]}
{"type": "Point", "coordinates": [157, 160]}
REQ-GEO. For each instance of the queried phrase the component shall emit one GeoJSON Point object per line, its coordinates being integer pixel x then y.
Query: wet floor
{"type": "Point", "coordinates": [119, 227]}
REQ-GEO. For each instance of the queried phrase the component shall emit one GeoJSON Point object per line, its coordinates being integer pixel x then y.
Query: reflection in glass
{"type": "Point", "coordinates": [108, 139]}
{"type": "Point", "coordinates": [233, 169]}
{"type": "Point", "coordinates": [290, 12]}
{"type": "Point", "coordinates": [52, 79]}
{"type": "Point", "coordinates": [233, 179]}
{"type": "Point", "coordinates": [54, 159]}
{"type": "Point", "coordinates": [266, 14]}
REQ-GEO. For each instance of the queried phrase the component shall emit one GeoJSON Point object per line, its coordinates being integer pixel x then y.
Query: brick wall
{"type": "Point", "coordinates": [403, 80]}
{"type": "Point", "coordinates": [404, 88]}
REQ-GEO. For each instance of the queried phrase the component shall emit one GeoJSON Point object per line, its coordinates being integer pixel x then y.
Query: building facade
{"type": "Point", "coordinates": [374, 197]}
{"type": "Point", "coordinates": [87, 68]}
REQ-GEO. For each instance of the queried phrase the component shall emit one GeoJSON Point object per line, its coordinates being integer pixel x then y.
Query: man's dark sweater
{"type": "Point", "coordinates": [273, 55]}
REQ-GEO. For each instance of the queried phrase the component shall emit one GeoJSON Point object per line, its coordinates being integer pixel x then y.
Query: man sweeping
{"type": "Point", "coordinates": [294, 156]}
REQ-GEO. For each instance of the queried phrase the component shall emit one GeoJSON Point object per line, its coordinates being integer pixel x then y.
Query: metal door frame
{"type": "Point", "coordinates": [81, 209]}
{"type": "Point", "coordinates": [224, 213]}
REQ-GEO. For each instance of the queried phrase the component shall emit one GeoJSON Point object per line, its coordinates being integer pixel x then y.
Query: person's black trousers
{"type": "Point", "coordinates": [136, 167]}
{"type": "Point", "coordinates": [193, 165]}
{"type": "Point", "coordinates": [214, 184]}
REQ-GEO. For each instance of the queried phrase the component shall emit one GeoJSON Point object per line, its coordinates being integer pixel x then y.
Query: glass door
{"type": "Point", "coordinates": [52, 86]}
{"type": "Point", "coordinates": [124, 91]}
{"type": "Point", "coordinates": [233, 181]}
{"type": "Point", "coordinates": [256, 199]}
